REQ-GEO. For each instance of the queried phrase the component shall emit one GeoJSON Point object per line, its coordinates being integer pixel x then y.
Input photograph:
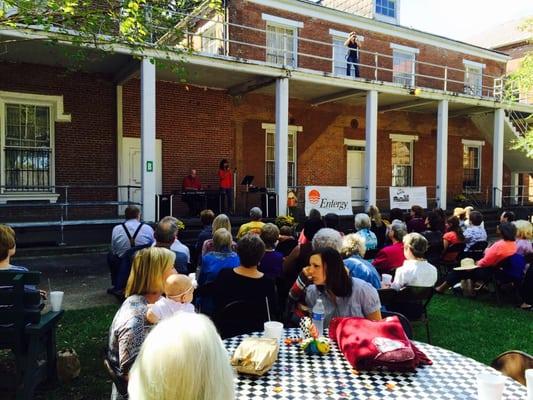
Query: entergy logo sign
{"type": "Point", "coordinates": [328, 199]}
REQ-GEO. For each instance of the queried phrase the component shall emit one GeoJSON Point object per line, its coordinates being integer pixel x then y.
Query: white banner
{"type": "Point", "coordinates": [408, 196]}
{"type": "Point", "coordinates": [328, 199]}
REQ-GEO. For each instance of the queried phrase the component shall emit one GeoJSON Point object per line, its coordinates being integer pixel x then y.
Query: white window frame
{"type": "Point", "coordinates": [472, 67]}
{"type": "Point", "coordinates": [284, 23]}
{"type": "Point", "coordinates": [478, 144]}
{"type": "Point", "coordinates": [398, 49]}
{"type": "Point", "coordinates": [206, 30]}
{"type": "Point", "coordinates": [55, 104]}
{"type": "Point", "coordinates": [411, 139]}
{"type": "Point", "coordinates": [292, 130]}
{"type": "Point", "coordinates": [386, 18]}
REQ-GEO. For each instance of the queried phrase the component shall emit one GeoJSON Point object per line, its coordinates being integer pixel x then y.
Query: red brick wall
{"type": "Point", "coordinates": [85, 148]}
{"type": "Point", "coordinates": [249, 14]}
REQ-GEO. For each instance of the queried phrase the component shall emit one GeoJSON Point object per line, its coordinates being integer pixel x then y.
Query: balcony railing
{"type": "Point", "coordinates": [244, 42]}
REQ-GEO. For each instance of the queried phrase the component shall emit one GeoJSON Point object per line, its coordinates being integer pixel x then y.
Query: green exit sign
{"type": "Point", "coordinates": [149, 166]}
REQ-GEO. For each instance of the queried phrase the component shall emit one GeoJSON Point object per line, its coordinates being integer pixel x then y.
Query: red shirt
{"type": "Point", "coordinates": [389, 258]}
{"type": "Point", "coordinates": [226, 178]}
{"type": "Point", "coordinates": [191, 183]}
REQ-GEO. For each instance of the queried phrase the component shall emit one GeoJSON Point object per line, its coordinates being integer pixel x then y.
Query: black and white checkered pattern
{"type": "Point", "coordinates": [297, 376]}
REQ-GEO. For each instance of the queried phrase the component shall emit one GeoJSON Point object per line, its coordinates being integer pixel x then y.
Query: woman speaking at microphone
{"type": "Point", "coordinates": [225, 177]}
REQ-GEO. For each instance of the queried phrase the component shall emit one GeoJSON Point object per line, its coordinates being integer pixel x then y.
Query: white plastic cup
{"type": "Point", "coordinates": [490, 386]}
{"type": "Point", "coordinates": [273, 330]}
{"type": "Point", "coordinates": [386, 279]}
{"type": "Point", "coordinates": [529, 383]}
{"type": "Point", "coordinates": [192, 277]}
{"type": "Point", "coordinates": [56, 299]}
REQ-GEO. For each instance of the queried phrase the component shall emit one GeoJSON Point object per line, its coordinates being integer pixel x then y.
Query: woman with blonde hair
{"type": "Point", "coordinates": [524, 234]}
{"type": "Point", "coordinates": [220, 221]}
{"type": "Point", "coordinates": [183, 358]}
{"type": "Point", "coordinates": [151, 267]}
{"type": "Point", "coordinates": [353, 251]}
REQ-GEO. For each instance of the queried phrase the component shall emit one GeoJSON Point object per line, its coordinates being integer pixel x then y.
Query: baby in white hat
{"type": "Point", "coordinates": [179, 294]}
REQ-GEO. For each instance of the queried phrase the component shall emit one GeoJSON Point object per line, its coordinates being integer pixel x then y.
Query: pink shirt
{"type": "Point", "coordinates": [389, 257]}
{"type": "Point", "coordinates": [496, 253]}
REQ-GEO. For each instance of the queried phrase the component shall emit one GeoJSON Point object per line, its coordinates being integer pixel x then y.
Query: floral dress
{"type": "Point", "coordinates": [126, 335]}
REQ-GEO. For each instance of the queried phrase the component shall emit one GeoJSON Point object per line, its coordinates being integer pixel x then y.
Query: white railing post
{"type": "Point", "coordinates": [376, 55]}
{"type": "Point", "coordinates": [281, 143]}
{"type": "Point", "coordinates": [371, 136]}
{"type": "Point", "coordinates": [445, 78]}
{"type": "Point", "coordinates": [497, 157]}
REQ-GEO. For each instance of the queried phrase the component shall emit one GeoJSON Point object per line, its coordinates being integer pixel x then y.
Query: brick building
{"type": "Point", "coordinates": [265, 87]}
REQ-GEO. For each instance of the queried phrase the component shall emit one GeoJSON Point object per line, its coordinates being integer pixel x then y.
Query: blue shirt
{"type": "Point", "coordinates": [213, 262]}
{"type": "Point", "coordinates": [362, 269]}
{"type": "Point", "coordinates": [371, 241]}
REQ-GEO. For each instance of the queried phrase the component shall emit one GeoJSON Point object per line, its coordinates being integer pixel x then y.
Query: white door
{"type": "Point", "coordinates": [355, 176]}
{"type": "Point", "coordinates": [131, 170]}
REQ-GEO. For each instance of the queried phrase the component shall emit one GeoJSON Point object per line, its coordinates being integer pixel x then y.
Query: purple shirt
{"type": "Point", "coordinates": [271, 264]}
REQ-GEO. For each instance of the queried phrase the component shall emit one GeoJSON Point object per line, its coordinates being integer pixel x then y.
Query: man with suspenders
{"type": "Point", "coordinates": [126, 238]}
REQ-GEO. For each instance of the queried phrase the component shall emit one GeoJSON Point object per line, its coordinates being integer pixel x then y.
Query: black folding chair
{"type": "Point", "coordinates": [240, 317]}
{"type": "Point", "coordinates": [475, 251]}
{"type": "Point", "coordinates": [446, 265]}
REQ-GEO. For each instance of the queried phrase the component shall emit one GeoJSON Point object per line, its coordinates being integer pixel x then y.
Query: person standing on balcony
{"type": "Point", "coordinates": [352, 57]}
{"type": "Point", "coordinates": [225, 177]}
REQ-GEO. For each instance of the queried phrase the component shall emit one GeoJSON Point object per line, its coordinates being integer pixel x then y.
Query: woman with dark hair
{"type": "Point", "coordinates": [494, 255]}
{"type": "Point", "coordinates": [225, 178]}
{"type": "Point", "coordinates": [433, 235]}
{"type": "Point", "coordinates": [396, 213]}
{"type": "Point", "coordinates": [453, 235]}
{"type": "Point", "coordinates": [342, 295]}
{"type": "Point", "coordinates": [417, 222]}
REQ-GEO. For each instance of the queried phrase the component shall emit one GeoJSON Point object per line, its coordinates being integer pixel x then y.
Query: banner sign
{"type": "Point", "coordinates": [408, 196]}
{"type": "Point", "coordinates": [329, 199]}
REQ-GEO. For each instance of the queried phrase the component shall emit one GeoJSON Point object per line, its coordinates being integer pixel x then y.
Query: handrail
{"type": "Point", "coordinates": [443, 77]}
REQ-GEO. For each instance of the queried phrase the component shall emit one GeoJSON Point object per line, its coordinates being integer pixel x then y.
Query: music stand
{"type": "Point", "coordinates": [247, 181]}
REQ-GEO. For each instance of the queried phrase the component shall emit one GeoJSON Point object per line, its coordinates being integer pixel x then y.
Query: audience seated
{"type": "Point", "coordinates": [396, 213]}
{"type": "Point", "coordinates": [475, 232]}
{"type": "Point", "coordinates": [221, 221]}
{"type": "Point", "coordinates": [245, 282]}
{"type": "Point", "coordinates": [165, 236]}
{"type": "Point", "coordinates": [178, 298]}
{"type": "Point", "coordinates": [362, 226]}
{"type": "Point", "coordinates": [327, 237]}
{"type": "Point", "coordinates": [507, 216]}
{"type": "Point", "coordinates": [342, 295]}
{"type": "Point", "coordinates": [460, 213]}
{"type": "Point", "coordinates": [177, 246]}
{"type": "Point", "coordinates": [183, 358]}
{"type": "Point", "coordinates": [313, 214]}
{"type": "Point", "coordinates": [433, 235]}
{"type": "Point", "coordinates": [254, 226]}
{"type": "Point", "coordinates": [126, 238]}
{"type": "Point", "coordinates": [353, 250]}
{"type": "Point", "coordinates": [417, 222]}
{"type": "Point", "coordinates": [272, 262]}
{"type": "Point", "coordinates": [442, 216]}
{"type": "Point", "coordinates": [286, 242]}
{"type": "Point", "coordinates": [391, 257]}
{"type": "Point", "coordinates": [453, 235]}
{"type": "Point", "coordinates": [378, 225]}
{"type": "Point", "coordinates": [206, 218]}
{"type": "Point", "coordinates": [524, 234]}
{"type": "Point", "coordinates": [494, 256]}
{"type": "Point", "coordinates": [331, 220]}
{"type": "Point", "coordinates": [468, 217]}
{"type": "Point", "coordinates": [151, 267]}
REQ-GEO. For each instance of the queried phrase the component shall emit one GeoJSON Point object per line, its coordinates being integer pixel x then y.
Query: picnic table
{"type": "Point", "coordinates": [298, 376]}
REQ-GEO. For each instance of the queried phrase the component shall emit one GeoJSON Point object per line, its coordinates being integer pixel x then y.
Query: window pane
{"type": "Point", "coordinates": [401, 164]}
{"type": "Point", "coordinates": [339, 57]}
{"type": "Point", "coordinates": [280, 45]}
{"type": "Point", "coordinates": [473, 80]}
{"type": "Point", "coordinates": [291, 168]}
{"type": "Point", "coordinates": [471, 168]}
{"type": "Point", "coordinates": [403, 67]}
{"type": "Point", "coordinates": [270, 153]}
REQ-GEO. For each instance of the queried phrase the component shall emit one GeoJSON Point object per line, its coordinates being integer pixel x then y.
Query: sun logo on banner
{"type": "Point", "coordinates": [314, 196]}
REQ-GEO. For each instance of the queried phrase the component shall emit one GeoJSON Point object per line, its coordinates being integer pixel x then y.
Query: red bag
{"type": "Point", "coordinates": [370, 344]}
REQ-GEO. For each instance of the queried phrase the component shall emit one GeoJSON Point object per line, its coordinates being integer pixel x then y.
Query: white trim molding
{"type": "Point", "coordinates": [407, 49]}
{"type": "Point", "coordinates": [469, 142]}
{"type": "Point", "coordinates": [272, 127]}
{"type": "Point", "coordinates": [38, 99]}
{"type": "Point", "coordinates": [474, 64]}
{"type": "Point", "coordinates": [397, 137]}
{"type": "Point", "coordinates": [355, 142]}
{"type": "Point", "coordinates": [344, 18]}
{"type": "Point", "coordinates": [344, 35]}
{"type": "Point", "coordinates": [282, 21]}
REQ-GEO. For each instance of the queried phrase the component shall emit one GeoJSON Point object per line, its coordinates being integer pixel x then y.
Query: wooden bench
{"type": "Point", "coordinates": [28, 334]}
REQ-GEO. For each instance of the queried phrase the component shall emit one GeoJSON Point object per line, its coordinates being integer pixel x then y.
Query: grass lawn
{"type": "Point", "coordinates": [475, 328]}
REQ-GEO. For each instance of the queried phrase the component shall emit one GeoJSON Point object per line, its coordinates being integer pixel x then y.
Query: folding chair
{"type": "Point", "coordinates": [240, 317]}
{"type": "Point", "coordinates": [476, 251]}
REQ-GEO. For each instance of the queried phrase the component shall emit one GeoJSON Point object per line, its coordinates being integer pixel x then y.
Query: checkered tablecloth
{"type": "Point", "coordinates": [298, 376]}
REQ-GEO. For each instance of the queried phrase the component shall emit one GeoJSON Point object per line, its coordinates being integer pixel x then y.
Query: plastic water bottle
{"type": "Point", "coordinates": [318, 317]}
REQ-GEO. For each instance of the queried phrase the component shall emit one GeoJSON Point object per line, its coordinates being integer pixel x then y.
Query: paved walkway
{"type": "Point", "coordinates": [83, 277]}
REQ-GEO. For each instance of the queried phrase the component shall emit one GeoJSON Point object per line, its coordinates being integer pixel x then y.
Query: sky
{"type": "Point", "coordinates": [461, 19]}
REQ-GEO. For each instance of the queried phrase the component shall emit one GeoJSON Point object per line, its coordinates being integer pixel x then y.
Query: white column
{"type": "Point", "coordinates": [442, 152]}
{"type": "Point", "coordinates": [515, 192]}
{"type": "Point", "coordinates": [281, 143]}
{"type": "Point", "coordinates": [497, 158]}
{"type": "Point", "coordinates": [148, 139]}
{"type": "Point", "coordinates": [371, 129]}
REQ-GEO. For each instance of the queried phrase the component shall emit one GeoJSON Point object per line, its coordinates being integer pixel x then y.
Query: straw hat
{"type": "Point", "coordinates": [458, 211]}
{"type": "Point", "coordinates": [466, 264]}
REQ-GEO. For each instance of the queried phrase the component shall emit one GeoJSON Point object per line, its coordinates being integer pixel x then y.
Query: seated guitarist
{"type": "Point", "coordinates": [192, 183]}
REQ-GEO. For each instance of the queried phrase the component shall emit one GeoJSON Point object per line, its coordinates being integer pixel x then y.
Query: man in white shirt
{"type": "Point", "coordinates": [131, 233]}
